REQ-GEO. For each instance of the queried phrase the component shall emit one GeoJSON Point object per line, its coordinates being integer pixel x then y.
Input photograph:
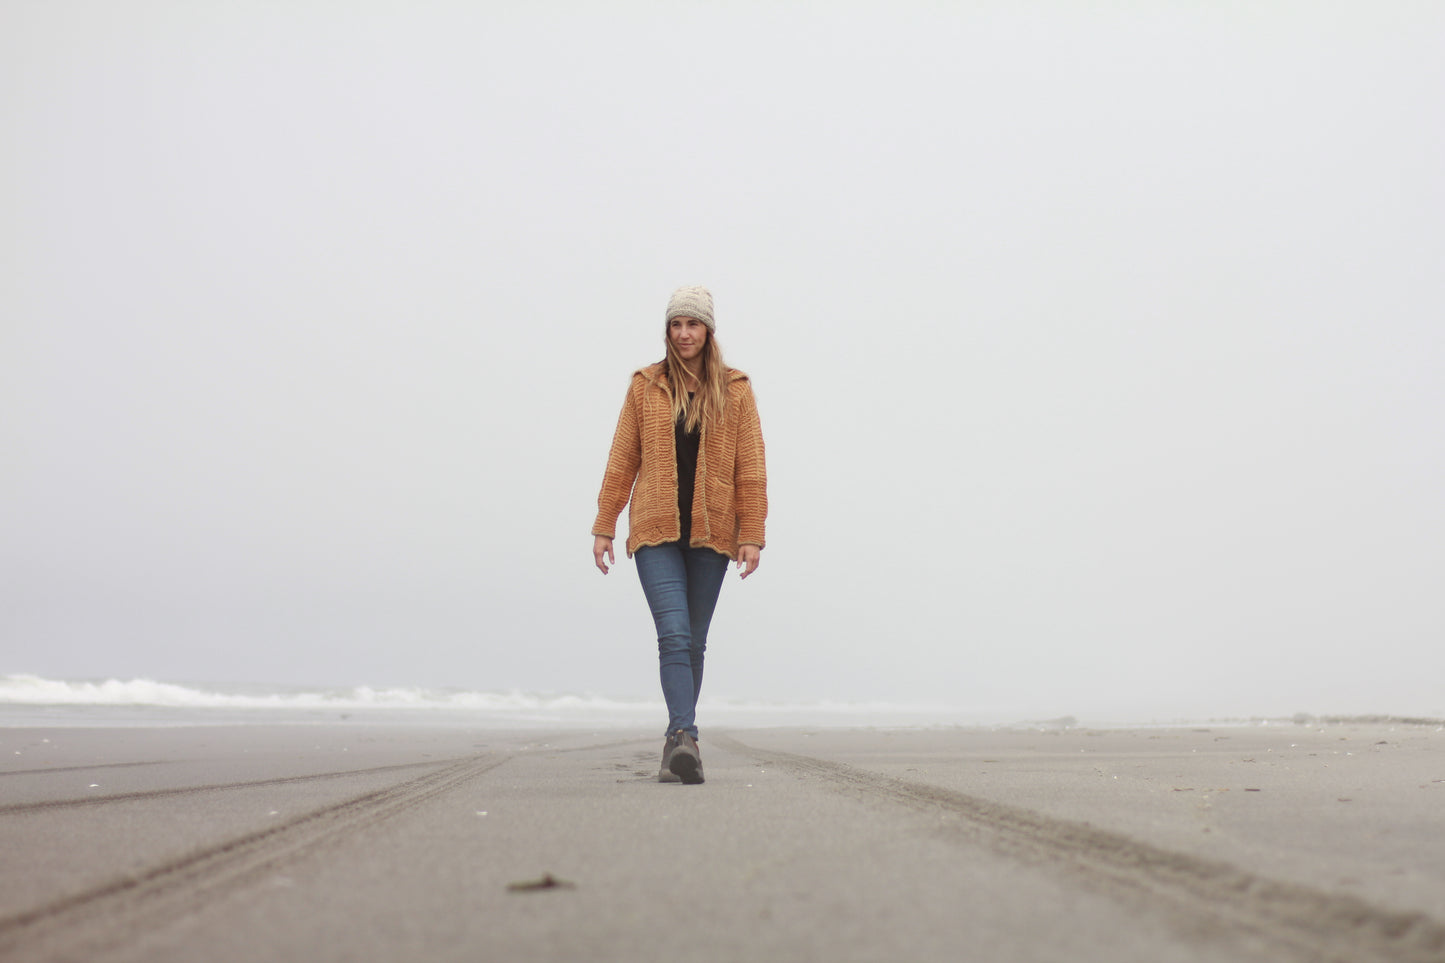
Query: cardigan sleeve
{"type": "Point", "coordinates": [623, 462]}
{"type": "Point", "coordinates": [750, 473]}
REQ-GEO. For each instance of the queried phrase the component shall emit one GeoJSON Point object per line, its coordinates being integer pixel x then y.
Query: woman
{"type": "Point", "coordinates": [688, 452]}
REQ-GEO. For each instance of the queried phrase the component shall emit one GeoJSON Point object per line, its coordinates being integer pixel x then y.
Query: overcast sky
{"type": "Point", "coordinates": [1099, 347]}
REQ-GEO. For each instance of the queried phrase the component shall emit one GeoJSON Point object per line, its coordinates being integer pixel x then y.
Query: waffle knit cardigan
{"type": "Point", "coordinates": [730, 499]}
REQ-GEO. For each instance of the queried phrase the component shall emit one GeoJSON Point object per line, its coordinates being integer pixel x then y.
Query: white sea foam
{"type": "Point", "coordinates": [30, 699]}
{"type": "Point", "coordinates": [34, 690]}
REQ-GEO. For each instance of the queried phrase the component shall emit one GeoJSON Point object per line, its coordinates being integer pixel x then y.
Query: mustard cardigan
{"type": "Point", "coordinates": [730, 498]}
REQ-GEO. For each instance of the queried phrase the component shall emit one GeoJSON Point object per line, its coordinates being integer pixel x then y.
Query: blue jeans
{"type": "Point", "coordinates": [682, 586]}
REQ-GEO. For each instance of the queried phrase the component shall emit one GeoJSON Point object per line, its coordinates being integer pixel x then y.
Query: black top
{"type": "Point", "coordinates": [687, 442]}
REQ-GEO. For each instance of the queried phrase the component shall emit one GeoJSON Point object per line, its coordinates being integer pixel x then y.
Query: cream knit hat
{"type": "Point", "coordinates": [694, 301]}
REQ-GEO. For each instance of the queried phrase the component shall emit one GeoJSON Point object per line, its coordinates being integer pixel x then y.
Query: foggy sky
{"type": "Point", "coordinates": [1098, 352]}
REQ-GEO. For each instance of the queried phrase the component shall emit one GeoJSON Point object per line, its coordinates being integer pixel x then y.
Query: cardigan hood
{"type": "Point", "coordinates": [656, 374]}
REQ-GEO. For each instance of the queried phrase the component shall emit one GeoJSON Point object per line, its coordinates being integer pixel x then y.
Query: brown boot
{"type": "Point", "coordinates": [685, 761]}
{"type": "Point", "coordinates": [665, 774]}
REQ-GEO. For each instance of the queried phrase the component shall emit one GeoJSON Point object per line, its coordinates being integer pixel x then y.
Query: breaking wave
{"type": "Point", "coordinates": [34, 690]}
{"type": "Point", "coordinates": [141, 700]}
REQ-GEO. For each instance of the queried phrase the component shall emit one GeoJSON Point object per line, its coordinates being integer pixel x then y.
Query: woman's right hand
{"type": "Point", "coordinates": [602, 552]}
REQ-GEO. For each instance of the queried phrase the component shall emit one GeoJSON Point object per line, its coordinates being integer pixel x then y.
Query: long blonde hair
{"type": "Point", "coordinates": [710, 401]}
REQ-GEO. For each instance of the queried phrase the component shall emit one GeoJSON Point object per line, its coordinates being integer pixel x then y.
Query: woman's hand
{"type": "Point", "coordinates": [602, 552]}
{"type": "Point", "coordinates": [748, 556]}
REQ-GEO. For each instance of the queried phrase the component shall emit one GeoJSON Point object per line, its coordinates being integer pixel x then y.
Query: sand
{"type": "Point", "coordinates": [367, 842]}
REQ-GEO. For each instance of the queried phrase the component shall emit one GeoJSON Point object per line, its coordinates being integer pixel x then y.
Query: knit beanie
{"type": "Point", "coordinates": [694, 301]}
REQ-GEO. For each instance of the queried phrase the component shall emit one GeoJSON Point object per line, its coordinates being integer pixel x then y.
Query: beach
{"type": "Point", "coordinates": [367, 841]}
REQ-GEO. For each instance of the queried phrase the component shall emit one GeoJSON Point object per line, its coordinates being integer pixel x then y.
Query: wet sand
{"type": "Point", "coordinates": [364, 842]}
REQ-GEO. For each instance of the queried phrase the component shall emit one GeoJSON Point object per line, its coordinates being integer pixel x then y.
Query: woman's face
{"type": "Point", "coordinates": [687, 335]}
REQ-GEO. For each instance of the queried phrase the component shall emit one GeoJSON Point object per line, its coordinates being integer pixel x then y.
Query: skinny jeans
{"type": "Point", "coordinates": [682, 587]}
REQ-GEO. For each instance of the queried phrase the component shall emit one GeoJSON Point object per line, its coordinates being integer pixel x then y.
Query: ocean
{"type": "Point", "coordinates": [30, 701]}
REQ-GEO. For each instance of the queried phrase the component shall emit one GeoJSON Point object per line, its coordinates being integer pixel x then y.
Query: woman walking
{"type": "Point", "coordinates": [688, 453]}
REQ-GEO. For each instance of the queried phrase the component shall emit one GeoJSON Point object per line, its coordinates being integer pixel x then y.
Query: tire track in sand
{"type": "Point", "coordinates": [48, 804]}
{"type": "Point", "coordinates": [1199, 893]}
{"type": "Point", "coordinates": [79, 925]}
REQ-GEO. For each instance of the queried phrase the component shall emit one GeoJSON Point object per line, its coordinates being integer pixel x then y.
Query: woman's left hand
{"type": "Point", "coordinates": [748, 556]}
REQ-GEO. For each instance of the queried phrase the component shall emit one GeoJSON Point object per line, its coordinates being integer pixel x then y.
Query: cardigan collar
{"type": "Point", "coordinates": [656, 374]}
